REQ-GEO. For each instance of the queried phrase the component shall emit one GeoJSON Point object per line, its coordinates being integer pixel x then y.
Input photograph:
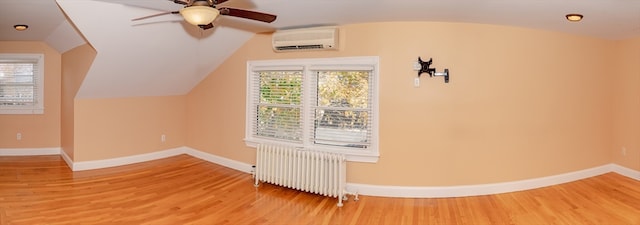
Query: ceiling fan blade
{"type": "Point", "coordinates": [252, 15]}
{"type": "Point", "coordinates": [181, 2]}
{"type": "Point", "coordinates": [154, 15]}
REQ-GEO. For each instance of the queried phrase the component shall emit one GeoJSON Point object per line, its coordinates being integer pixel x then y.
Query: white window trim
{"type": "Point", "coordinates": [371, 154]}
{"type": "Point", "coordinates": [28, 109]}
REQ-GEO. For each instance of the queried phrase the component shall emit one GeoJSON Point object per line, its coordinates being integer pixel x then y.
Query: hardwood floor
{"type": "Point", "coordinates": [187, 190]}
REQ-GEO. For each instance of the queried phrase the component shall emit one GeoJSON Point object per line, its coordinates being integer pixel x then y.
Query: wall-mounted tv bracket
{"type": "Point", "coordinates": [425, 67]}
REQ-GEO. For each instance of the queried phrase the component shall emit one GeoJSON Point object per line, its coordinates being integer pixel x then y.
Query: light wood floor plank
{"type": "Point", "coordinates": [187, 190]}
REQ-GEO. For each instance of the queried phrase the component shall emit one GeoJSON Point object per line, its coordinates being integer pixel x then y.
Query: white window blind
{"type": "Point", "coordinates": [341, 106]}
{"type": "Point", "coordinates": [21, 83]}
{"type": "Point", "coordinates": [278, 108]}
{"type": "Point", "coordinates": [316, 104]}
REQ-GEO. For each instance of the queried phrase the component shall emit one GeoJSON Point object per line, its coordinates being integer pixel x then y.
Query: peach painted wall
{"type": "Point", "coordinates": [626, 121]}
{"type": "Point", "coordinates": [118, 127]}
{"type": "Point", "coordinates": [75, 65]}
{"type": "Point", "coordinates": [38, 130]}
{"type": "Point", "coordinates": [521, 104]}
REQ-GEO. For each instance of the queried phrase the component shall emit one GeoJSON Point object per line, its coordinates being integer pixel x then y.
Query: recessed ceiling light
{"type": "Point", "coordinates": [20, 27]}
{"type": "Point", "coordinates": [574, 17]}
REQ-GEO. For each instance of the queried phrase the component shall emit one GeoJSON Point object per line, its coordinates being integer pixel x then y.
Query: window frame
{"type": "Point", "coordinates": [369, 154]}
{"type": "Point", "coordinates": [38, 107]}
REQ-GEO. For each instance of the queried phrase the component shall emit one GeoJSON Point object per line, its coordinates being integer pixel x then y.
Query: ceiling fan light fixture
{"type": "Point", "coordinates": [20, 27]}
{"type": "Point", "coordinates": [199, 15]}
{"type": "Point", "coordinates": [574, 17]}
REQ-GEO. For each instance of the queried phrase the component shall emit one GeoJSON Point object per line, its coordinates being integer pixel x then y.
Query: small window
{"type": "Point", "coordinates": [21, 83]}
{"type": "Point", "coordinates": [316, 104]}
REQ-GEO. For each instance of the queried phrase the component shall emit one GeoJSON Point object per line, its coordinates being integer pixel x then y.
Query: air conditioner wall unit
{"type": "Point", "coordinates": [316, 38]}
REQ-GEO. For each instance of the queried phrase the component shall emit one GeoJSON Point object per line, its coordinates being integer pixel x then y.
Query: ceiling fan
{"type": "Point", "coordinates": [202, 13]}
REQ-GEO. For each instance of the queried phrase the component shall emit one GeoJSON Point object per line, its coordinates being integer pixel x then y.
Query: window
{"type": "Point", "coordinates": [317, 104]}
{"type": "Point", "coordinates": [21, 83]}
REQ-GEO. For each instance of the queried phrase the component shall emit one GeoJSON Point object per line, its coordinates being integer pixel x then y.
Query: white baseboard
{"type": "Point", "coordinates": [229, 163]}
{"type": "Point", "coordinates": [474, 190]}
{"type": "Point", "coordinates": [363, 189]}
{"type": "Point", "coordinates": [99, 164]}
{"type": "Point", "coordinates": [105, 163]}
{"type": "Point", "coordinates": [625, 171]}
{"type": "Point", "coordinates": [67, 159]}
{"type": "Point", "coordinates": [29, 151]}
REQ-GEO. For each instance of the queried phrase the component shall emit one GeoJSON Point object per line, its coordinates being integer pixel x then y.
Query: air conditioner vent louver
{"type": "Point", "coordinates": [322, 38]}
{"type": "Point", "coordinates": [299, 47]}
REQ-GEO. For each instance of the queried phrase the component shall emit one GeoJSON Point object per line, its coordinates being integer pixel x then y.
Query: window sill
{"type": "Point", "coordinates": [21, 111]}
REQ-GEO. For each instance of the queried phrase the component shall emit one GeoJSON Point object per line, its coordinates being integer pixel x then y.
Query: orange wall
{"type": "Point", "coordinates": [118, 127]}
{"type": "Point", "coordinates": [39, 130]}
{"type": "Point", "coordinates": [75, 65]}
{"type": "Point", "coordinates": [521, 104]}
{"type": "Point", "coordinates": [626, 120]}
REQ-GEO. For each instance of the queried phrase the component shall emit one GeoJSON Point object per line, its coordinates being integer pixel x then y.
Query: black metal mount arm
{"type": "Point", "coordinates": [425, 67]}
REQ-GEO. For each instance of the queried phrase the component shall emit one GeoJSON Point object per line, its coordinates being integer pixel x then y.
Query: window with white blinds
{"type": "Point", "coordinates": [279, 105]}
{"type": "Point", "coordinates": [21, 83]}
{"type": "Point", "coordinates": [316, 104]}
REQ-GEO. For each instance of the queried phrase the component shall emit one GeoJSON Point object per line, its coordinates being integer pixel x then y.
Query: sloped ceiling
{"type": "Point", "coordinates": [46, 21]}
{"type": "Point", "coordinates": [154, 58]}
{"type": "Point", "coordinates": [165, 56]}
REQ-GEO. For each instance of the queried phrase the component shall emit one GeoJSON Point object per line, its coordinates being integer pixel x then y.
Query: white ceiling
{"type": "Point", "coordinates": [165, 56]}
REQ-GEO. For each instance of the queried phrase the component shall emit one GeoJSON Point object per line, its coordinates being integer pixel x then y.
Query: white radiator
{"type": "Point", "coordinates": [311, 171]}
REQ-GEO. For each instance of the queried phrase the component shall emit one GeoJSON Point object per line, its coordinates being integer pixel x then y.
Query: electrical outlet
{"type": "Point", "coordinates": [623, 151]}
{"type": "Point", "coordinates": [416, 82]}
{"type": "Point", "coordinates": [19, 136]}
{"type": "Point", "coordinates": [163, 138]}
